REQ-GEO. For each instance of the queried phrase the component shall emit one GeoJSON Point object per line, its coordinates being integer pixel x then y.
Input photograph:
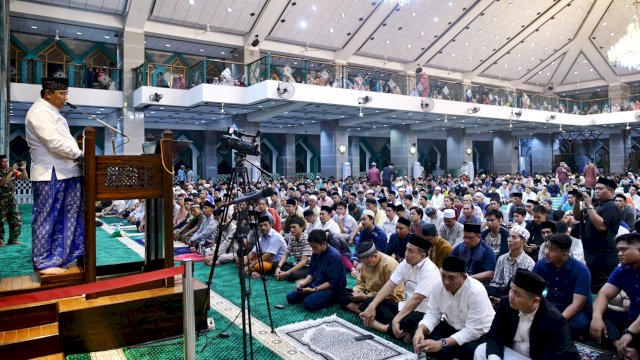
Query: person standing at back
{"type": "Point", "coordinates": [373, 175]}
{"type": "Point", "coordinates": [590, 173]}
{"type": "Point", "coordinates": [563, 172]}
{"type": "Point", "coordinates": [387, 176]}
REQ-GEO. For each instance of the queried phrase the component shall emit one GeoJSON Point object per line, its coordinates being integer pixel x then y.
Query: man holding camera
{"type": "Point", "coordinates": [8, 200]}
{"type": "Point", "coordinates": [600, 227]}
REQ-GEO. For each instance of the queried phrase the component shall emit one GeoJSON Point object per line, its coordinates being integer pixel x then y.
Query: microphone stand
{"type": "Point", "coordinates": [112, 131]}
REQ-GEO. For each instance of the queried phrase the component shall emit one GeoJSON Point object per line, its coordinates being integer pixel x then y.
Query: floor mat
{"type": "Point", "coordinates": [16, 259]}
{"type": "Point", "coordinates": [334, 338]}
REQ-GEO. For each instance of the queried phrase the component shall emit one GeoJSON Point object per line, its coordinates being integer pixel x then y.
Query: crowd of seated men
{"type": "Point", "coordinates": [461, 268]}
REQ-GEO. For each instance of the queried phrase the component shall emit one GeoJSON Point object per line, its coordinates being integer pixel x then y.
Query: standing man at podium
{"type": "Point", "coordinates": [56, 178]}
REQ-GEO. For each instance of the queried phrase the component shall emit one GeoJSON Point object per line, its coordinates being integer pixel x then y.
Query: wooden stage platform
{"type": "Point", "coordinates": [79, 325]}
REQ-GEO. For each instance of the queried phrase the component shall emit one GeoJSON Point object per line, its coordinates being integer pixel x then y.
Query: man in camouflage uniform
{"type": "Point", "coordinates": [8, 200]}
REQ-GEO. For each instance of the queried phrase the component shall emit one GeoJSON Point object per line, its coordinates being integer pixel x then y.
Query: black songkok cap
{"type": "Point", "coordinates": [429, 230]}
{"type": "Point", "coordinates": [419, 242]}
{"type": "Point", "coordinates": [529, 281]}
{"type": "Point", "coordinates": [404, 221]}
{"type": "Point", "coordinates": [308, 212]}
{"type": "Point", "coordinates": [608, 182]}
{"type": "Point", "coordinates": [517, 194]}
{"type": "Point", "coordinates": [291, 202]}
{"type": "Point", "coordinates": [263, 219]}
{"type": "Point", "coordinates": [366, 249]}
{"type": "Point", "coordinates": [472, 228]}
{"type": "Point", "coordinates": [533, 202]}
{"type": "Point", "coordinates": [371, 201]}
{"type": "Point", "coordinates": [326, 208]}
{"type": "Point", "coordinates": [55, 83]}
{"type": "Point", "coordinates": [208, 204]}
{"type": "Point", "coordinates": [548, 225]}
{"type": "Point", "coordinates": [454, 264]}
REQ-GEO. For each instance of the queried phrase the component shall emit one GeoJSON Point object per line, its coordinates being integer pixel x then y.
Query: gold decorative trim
{"type": "Point", "coordinates": [261, 331]}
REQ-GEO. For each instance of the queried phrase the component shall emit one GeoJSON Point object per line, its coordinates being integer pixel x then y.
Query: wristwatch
{"type": "Point", "coordinates": [627, 331]}
{"type": "Point", "coordinates": [444, 343]}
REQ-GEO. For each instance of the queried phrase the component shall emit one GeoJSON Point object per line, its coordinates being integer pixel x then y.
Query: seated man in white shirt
{"type": "Point", "coordinates": [419, 275]}
{"type": "Point", "coordinates": [326, 222]}
{"type": "Point", "coordinates": [346, 222]}
{"type": "Point", "coordinates": [313, 221]}
{"type": "Point", "coordinates": [458, 316]}
{"type": "Point", "coordinates": [527, 326]}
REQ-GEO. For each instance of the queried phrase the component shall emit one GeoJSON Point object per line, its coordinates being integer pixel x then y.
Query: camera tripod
{"type": "Point", "coordinates": [240, 178]}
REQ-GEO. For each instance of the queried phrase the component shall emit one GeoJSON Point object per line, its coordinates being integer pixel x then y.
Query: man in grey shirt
{"type": "Point", "coordinates": [451, 230]}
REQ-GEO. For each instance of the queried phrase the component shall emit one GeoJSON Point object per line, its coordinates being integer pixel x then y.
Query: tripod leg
{"type": "Point", "coordinates": [250, 328]}
{"type": "Point", "coordinates": [266, 295]}
{"type": "Point", "coordinates": [243, 297]}
{"type": "Point", "coordinates": [261, 267]}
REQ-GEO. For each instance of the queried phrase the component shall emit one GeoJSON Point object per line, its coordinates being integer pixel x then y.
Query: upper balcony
{"type": "Point", "coordinates": [310, 72]}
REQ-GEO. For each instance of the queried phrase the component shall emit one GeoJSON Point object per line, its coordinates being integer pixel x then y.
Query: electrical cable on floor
{"type": "Point", "coordinates": [220, 333]}
{"type": "Point", "coordinates": [200, 333]}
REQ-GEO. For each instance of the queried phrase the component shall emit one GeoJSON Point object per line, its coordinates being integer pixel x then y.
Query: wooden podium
{"type": "Point", "coordinates": [125, 177]}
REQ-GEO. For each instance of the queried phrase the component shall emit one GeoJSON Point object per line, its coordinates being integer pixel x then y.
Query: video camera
{"type": "Point", "coordinates": [577, 193]}
{"type": "Point", "coordinates": [242, 142]}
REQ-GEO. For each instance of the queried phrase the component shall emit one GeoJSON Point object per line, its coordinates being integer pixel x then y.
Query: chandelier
{"type": "Point", "coordinates": [626, 52]}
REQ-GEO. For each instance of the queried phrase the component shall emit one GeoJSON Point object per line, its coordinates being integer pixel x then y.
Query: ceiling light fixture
{"type": "Point", "coordinates": [361, 114]}
{"type": "Point", "coordinates": [191, 2]}
{"type": "Point", "coordinates": [626, 52]}
{"type": "Point", "coordinates": [399, 2]}
{"type": "Point", "coordinates": [222, 108]}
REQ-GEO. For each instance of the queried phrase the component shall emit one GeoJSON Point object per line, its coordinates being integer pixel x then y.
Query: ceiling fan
{"type": "Point", "coordinates": [307, 49]}
{"type": "Point", "coordinates": [206, 30]}
{"type": "Point", "coordinates": [58, 38]}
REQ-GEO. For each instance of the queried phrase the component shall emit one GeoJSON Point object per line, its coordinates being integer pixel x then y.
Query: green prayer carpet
{"type": "Point", "coordinates": [17, 261]}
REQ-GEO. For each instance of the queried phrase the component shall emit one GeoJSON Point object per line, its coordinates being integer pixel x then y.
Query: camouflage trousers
{"type": "Point", "coordinates": [9, 213]}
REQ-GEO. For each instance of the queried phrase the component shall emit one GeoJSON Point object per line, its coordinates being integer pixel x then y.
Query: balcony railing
{"type": "Point", "coordinates": [206, 71]}
{"type": "Point", "coordinates": [30, 71]}
{"type": "Point", "coordinates": [311, 72]}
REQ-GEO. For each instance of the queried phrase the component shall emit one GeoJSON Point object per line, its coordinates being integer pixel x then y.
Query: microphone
{"type": "Point", "coordinates": [111, 128]}
{"type": "Point", "coordinates": [264, 193]}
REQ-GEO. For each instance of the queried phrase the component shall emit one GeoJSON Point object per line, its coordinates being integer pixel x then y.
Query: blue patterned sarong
{"type": "Point", "coordinates": [58, 222]}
